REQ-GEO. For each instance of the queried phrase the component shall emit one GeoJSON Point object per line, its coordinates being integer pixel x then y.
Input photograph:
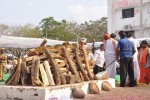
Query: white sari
{"type": "Point", "coordinates": [110, 58]}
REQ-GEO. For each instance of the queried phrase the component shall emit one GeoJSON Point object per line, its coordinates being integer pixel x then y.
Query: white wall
{"type": "Point", "coordinates": [120, 22]}
{"type": "Point", "coordinates": [117, 23]}
{"type": "Point", "coordinates": [146, 14]}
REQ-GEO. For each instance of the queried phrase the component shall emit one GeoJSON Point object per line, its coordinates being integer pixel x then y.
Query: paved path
{"type": "Point", "coordinates": [141, 92]}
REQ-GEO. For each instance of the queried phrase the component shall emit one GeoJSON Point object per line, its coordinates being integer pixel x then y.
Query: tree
{"type": "Point", "coordinates": [56, 29]}
{"type": "Point", "coordinates": [27, 30]}
{"type": "Point", "coordinates": [94, 29]}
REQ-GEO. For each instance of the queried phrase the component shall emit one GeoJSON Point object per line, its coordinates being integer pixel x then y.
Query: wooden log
{"type": "Point", "coordinates": [11, 77]}
{"type": "Point", "coordinates": [81, 76]}
{"type": "Point", "coordinates": [49, 73]}
{"type": "Point", "coordinates": [70, 63]}
{"type": "Point", "coordinates": [60, 63]}
{"type": "Point", "coordinates": [32, 52]}
{"type": "Point", "coordinates": [40, 57]}
{"type": "Point", "coordinates": [18, 71]}
{"type": "Point", "coordinates": [90, 75]}
{"type": "Point", "coordinates": [79, 64]}
{"type": "Point", "coordinates": [40, 50]}
{"type": "Point", "coordinates": [32, 71]}
{"type": "Point", "coordinates": [63, 70]}
{"type": "Point", "coordinates": [35, 72]}
{"type": "Point", "coordinates": [70, 79]}
{"type": "Point", "coordinates": [55, 67]}
{"type": "Point", "coordinates": [25, 75]}
{"type": "Point", "coordinates": [63, 79]}
{"type": "Point", "coordinates": [43, 42]}
{"type": "Point", "coordinates": [44, 75]}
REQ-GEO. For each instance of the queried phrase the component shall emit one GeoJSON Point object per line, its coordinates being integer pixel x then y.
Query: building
{"type": "Point", "coordinates": [129, 15]}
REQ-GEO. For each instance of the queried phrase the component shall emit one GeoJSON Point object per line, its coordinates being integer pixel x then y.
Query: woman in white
{"type": "Point", "coordinates": [110, 55]}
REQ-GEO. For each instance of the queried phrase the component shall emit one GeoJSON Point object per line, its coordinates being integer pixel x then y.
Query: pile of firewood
{"type": "Point", "coordinates": [55, 65]}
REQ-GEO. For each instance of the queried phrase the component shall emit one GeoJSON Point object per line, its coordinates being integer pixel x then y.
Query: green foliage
{"type": "Point", "coordinates": [56, 30]}
{"type": "Point", "coordinates": [69, 31]}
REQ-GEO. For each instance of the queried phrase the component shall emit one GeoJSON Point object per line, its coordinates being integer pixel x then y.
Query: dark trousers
{"type": "Point", "coordinates": [97, 69]}
{"type": "Point", "coordinates": [126, 66]}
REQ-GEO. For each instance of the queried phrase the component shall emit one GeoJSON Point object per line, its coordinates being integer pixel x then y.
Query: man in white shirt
{"type": "Point", "coordinates": [99, 59]}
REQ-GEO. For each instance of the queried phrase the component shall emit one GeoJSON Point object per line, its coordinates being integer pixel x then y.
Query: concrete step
{"type": "Point", "coordinates": [46, 92]}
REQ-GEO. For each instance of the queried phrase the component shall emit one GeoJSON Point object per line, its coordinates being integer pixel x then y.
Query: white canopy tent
{"type": "Point", "coordinates": [23, 42]}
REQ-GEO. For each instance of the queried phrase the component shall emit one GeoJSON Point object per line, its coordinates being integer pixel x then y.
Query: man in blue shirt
{"type": "Point", "coordinates": [126, 50]}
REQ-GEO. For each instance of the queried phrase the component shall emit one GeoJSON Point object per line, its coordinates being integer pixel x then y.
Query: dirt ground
{"type": "Point", "coordinates": [141, 92]}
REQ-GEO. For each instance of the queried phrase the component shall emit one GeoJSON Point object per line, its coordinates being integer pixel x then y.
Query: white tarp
{"type": "Point", "coordinates": [23, 42]}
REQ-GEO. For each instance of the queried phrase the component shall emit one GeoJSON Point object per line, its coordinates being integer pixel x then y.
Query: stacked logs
{"type": "Point", "coordinates": [57, 65]}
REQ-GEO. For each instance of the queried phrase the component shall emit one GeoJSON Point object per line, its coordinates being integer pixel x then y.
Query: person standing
{"type": "Point", "coordinates": [3, 63]}
{"type": "Point", "coordinates": [110, 55]}
{"type": "Point", "coordinates": [113, 36]}
{"type": "Point", "coordinates": [135, 56]}
{"type": "Point", "coordinates": [126, 50]}
{"type": "Point", "coordinates": [99, 59]}
{"type": "Point", "coordinates": [143, 60]}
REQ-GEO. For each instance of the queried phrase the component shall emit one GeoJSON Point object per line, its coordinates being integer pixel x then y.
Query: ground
{"type": "Point", "coordinates": [141, 92]}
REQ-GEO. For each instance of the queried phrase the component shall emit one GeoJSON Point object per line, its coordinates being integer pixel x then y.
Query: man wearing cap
{"type": "Point", "coordinates": [3, 63]}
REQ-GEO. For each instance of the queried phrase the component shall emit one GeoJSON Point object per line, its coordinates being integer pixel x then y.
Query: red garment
{"type": "Point", "coordinates": [144, 72]}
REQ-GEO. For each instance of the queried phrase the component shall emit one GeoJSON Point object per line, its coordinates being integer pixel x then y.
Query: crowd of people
{"type": "Point", "coordinates": [134, 58]}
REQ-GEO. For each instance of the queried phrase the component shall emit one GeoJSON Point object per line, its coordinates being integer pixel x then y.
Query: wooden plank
{"type": "Point", "coordinates": [49, 73]}
{"type": "Point", "coordinates": [44, 75]}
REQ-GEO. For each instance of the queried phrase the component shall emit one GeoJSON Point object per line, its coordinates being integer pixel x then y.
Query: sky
{"type": "Point", "coordinates": [33, 11]}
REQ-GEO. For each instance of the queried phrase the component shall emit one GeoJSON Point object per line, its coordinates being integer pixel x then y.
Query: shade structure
{"type": "Point", "coordinates": [23, 42]}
